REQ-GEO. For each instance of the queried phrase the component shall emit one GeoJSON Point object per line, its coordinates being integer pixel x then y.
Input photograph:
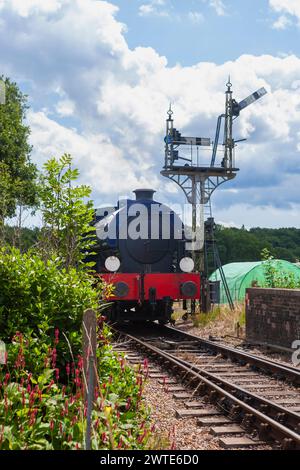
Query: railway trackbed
{"type": "Point", "coordinates": [247, 400]}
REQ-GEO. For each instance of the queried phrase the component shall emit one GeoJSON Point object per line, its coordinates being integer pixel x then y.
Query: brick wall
{"type": "Point", "coordinates": [273, 316]}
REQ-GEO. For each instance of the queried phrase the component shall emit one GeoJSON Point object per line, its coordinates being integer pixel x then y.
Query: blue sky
{"type": "Point", "coordinates": [100, 76]}
{"type": "Point", "coordinates": [245, 27]}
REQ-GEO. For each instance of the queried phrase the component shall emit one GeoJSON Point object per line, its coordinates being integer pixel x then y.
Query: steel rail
{"type": "Point", "coordinates": [267, 426]}
{"type": "Point", "coordinates": [292, 419]}
{"type": "Point", "coordinates": [288, 372]}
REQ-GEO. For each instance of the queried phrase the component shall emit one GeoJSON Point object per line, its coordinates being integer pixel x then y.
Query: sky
{"type": "Point", "coordinates": [100, 76]}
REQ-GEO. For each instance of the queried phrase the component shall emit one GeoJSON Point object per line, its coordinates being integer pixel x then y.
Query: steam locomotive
{"type": "Point", "coordinates": [142, 251]}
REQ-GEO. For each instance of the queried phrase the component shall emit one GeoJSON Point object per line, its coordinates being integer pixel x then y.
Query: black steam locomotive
{"type": "Point", "coordinates": [142, 251]}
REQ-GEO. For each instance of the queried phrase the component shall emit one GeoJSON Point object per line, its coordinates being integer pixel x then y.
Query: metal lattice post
{"type": "Point", "coordinates": [199, 181]}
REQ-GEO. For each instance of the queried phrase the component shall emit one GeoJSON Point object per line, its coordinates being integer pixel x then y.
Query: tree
{"type": "Point", "coordinates": [68, 232]}
{"type": "Point", "coordinates": [6, 196]}
{"type": "Point", "coordinates": [15, 151]}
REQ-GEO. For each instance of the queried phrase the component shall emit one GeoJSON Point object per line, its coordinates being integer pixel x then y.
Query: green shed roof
{"type": "Point", "coordinates": [239, 276]}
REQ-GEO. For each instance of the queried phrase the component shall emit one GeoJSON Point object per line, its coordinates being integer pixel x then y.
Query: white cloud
{"type": "Point", "coordinates": [154, 8]}
{"type": "Point", "coordinates": [218, 6]}
{"type": "Point", "coordinates": [263, 216]}
{"type": "Point", "coordinates": [96, 156]}
{"type": "Point", "coordinates": [281, 23]}
{"type": "Point", "coordinates": [291, 7]}
{"type": "Point", "coordinates": [79, 64]}
{"type": "Point", "coordinates": [195, 17]}
{"type": "Point", "coordinates": [290, 10]}
{"type": "Point", "coordinates": [28, 7]}
{"type": "Point", "coordinates": [65, 108]}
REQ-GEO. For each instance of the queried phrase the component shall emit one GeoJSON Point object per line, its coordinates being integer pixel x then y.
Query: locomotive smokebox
{"type": "Point", "coordinates": [144, 194]}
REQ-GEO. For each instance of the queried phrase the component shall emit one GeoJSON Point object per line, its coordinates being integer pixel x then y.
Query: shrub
{"type": "Point", "coordinates": [68, 215]}
{"type": "Point", "coordinates": [40, 297]}
{"type": "Point", "coordinates": [274, 276]}
{"type": "Point", "coordinates": [38, 412]}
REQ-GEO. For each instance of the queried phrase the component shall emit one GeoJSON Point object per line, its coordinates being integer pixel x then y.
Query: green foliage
{"type": "Point", "coordinates": [203, 319]}
{"type": "Point", "coordinates": [42, 385]}
{"type": "Point", "coordinates": [37, 412]}
{"type": "Point", "coordinates": [275, 277]}
{"type": "Point", "coordinates": [22, 237]}
{"type": "Point", "coordinates": [237, 245]}
{"type": "Point", "coordinates": [15, 151]}
{"type": "Point", "coordinates": [67, 233]}
{"type": "Point", "coordinates": [6, 196]}
{"type": "Point", "coordinates": [39, 297]}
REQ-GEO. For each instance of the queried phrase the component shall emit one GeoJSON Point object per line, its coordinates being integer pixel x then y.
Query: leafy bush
{"type": "Point", "coordinates": [39, 297]}
{"type": "Point", "coordinates": [42, 385]}
{"type": "Point", "coordinates": [42, 300]}
{"type": "Point", "coordinates": [38, 412]}
{"type": "Point", "coordinates": [68, 232]}
{"type": "Point", "coordinates": [275, 277]}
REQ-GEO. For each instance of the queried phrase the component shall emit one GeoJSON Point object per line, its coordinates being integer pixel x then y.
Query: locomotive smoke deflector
{"type": "Point", "coordinates": [142, 194]}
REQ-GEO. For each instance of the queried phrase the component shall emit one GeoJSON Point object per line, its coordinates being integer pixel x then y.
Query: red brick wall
{"type": "Point", "coordinates": [273, 316]}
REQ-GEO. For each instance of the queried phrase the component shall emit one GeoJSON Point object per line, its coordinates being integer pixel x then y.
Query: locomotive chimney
{"type": "Point", "coordinates": [142, 194]}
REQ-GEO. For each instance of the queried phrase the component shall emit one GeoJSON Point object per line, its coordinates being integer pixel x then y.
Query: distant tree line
{"type": "Point", "coordinates": [23, 238]}
{"type": "Point", "coordinates": [246, 245]}
{"type": "Point", "coordinates": [234, 244]}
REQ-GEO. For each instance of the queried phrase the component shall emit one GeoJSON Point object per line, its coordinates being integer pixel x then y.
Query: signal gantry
{"type": "Point", "coordinates": [200, 177]}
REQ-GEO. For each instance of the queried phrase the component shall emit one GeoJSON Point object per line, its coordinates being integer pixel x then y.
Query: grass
{"type": "Point", "coordinates": [221, 321]}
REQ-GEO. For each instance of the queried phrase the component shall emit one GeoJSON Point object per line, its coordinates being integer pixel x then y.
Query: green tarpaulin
{"type": "Point", "coordinates": [239, 276]}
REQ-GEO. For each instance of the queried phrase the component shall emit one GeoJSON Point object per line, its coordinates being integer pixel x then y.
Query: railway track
{"type": "Point", "coordinates": [255, 401]}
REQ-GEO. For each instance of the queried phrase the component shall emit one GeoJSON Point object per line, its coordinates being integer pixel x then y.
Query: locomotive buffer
{"type": "Point", "coordinates": [200, 178]}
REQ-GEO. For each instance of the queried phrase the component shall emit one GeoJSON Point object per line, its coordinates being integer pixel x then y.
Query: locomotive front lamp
{"type": "Point", "coordinates": [112, 264]}
{"type": "Point", "coordinates": [186, 265]}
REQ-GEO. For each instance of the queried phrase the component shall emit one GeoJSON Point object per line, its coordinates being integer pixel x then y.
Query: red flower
{"type": "Point", "coordinates": [80, 362]}
{"type": "Point", "coordinates": [128, 404]}
{"type": "Point", "coordinates": [33, 417]}
{"type": "Point", "coordinates": [31, 398]}
{"type": "Point", "coordinates": [74, 420]}
{"type": "Point", "coordinates": [53, 357]}
{"type": "Point", "coordinates": [56, 333]}
{"type": "Point", "coordinates": [50, 384]}
{"type": "Point", "coordinates": [68, 369]}
{"type": "Point", "coordinates": [6, 379]}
